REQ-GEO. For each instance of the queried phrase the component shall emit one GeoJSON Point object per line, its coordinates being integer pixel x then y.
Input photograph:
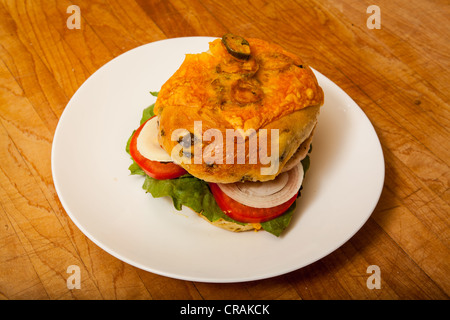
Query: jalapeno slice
{"type": "Point", "coordinates": [237, 46]}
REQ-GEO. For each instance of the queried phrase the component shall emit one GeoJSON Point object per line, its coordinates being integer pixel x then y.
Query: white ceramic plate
{"type": "Point", "coordinates": [90, 172]}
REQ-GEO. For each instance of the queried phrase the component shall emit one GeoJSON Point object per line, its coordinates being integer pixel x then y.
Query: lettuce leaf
{"type": "Point", "coordinates": [194, 193]}
{"type": "Point", "coordinates": [276, 226]}
{"type": "Point", "coordinates": [189, 191]}
{"type": "Point", "coordinates": [147, 113]}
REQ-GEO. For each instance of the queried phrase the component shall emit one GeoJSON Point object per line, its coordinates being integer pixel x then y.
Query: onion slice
{"type": "Point", "coordinates": [266, 194]}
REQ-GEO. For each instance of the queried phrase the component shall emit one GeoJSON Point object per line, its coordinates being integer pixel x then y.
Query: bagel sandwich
{"type": "Point", "coordinates": [230, 133]}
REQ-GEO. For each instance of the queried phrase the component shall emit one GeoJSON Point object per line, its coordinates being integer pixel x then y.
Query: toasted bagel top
{"type": "Point", "coordinates": [271, 89]}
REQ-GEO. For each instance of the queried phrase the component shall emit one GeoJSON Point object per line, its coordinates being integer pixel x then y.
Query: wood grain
{"type": "Point", "coordinates": [398, 75]}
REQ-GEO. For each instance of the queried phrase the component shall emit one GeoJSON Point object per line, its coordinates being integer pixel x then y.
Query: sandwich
{"type": "Point", "coordinates": [230, 133]}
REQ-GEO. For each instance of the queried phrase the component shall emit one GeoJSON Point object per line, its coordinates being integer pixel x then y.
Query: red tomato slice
{"type": "Point", "coordinates": [155, 169]}
{"type": "Point", "coordinates": [240, 212]}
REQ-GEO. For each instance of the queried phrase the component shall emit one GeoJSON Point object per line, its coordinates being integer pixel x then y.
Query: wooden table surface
{"type": "Point", "coordinates": [398, 74]}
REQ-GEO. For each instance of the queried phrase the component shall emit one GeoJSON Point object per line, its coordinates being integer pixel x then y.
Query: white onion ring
{"type": "Point", "coordinates": [266, 194]}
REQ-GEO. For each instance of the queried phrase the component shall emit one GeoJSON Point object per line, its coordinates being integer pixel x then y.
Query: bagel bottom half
{"type": "Point", "coordinates": [233, 226]}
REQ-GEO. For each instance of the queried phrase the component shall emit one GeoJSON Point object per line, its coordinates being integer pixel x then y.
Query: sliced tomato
{"type": "Point", "coordinates": [155, 169]}
{"type": "Point", "coordinates": [243, 213]}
